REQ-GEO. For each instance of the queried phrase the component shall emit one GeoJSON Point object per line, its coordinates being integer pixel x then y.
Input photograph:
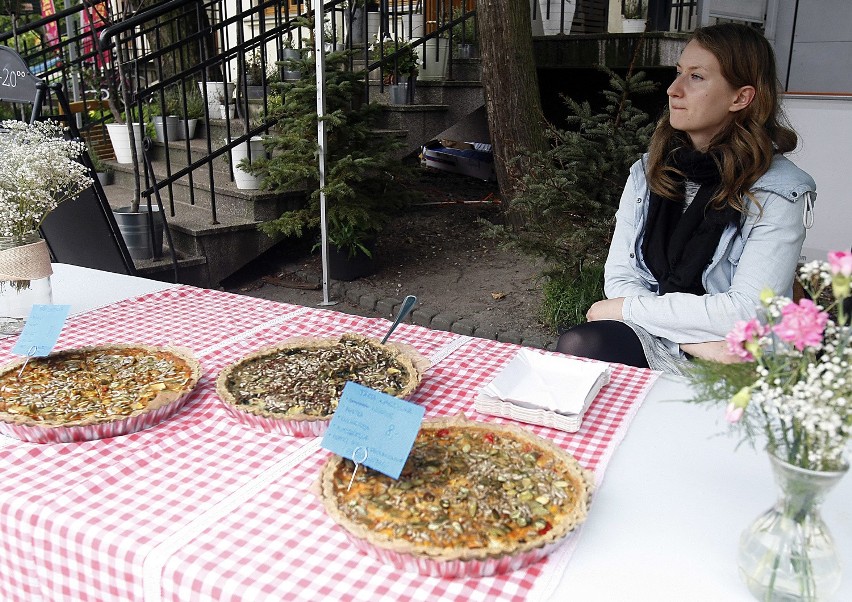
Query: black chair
{"type": "Point", "coordinates": [80, 231]}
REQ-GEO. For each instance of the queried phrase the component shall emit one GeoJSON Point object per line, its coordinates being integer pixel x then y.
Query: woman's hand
{"type": "Point", "coordinates": [714, 351]}
{"type": "Point", "coordinates": [608, 309]}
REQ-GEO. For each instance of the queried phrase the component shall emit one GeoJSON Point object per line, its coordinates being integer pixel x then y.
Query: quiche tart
{"type": "Point", "coordinates": [294, 388]}
{"type": "Point", "coordinates": [94, 392]}
{"type": "Point", "coordinates": [473, 499]}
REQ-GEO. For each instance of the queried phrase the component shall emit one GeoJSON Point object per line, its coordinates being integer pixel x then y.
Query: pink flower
{"type": "Point", "coordinates": [742, 340]}
{"type": "Point", "coordinates": [840, 263]}
{"type": "Point", "coordinates": [733, 413]}
{"type": "Point", "coordinates": [739, 402]}
{"type": "Point", "coordinates": [802, 324]}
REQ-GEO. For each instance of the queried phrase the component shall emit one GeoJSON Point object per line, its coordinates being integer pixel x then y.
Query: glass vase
{"type": "Point", "coordinates": [788, 552]}
{"type": "Point", "coordinates": [24, 279]}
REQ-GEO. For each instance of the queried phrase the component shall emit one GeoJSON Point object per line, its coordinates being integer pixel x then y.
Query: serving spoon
{"type": "Point", "coordinates": [407, 306]}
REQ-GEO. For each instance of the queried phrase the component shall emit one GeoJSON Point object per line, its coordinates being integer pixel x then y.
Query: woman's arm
{"type": "Point", "coordinates": [621, 278]}
{"type": "Point", "coordinates": [768, 259]}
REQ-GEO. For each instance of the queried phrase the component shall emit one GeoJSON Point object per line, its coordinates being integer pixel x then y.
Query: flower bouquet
{"type": "Point", "coordinates": [794, 389]}
{"type": "Point", "coordinates": [39, 170]}
{"type": "Point", "coordinates": [793, 385]}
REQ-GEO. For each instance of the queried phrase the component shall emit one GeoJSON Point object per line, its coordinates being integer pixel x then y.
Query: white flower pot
{"type": "Point", "coordinates": [632, 25]}
{"type": "Point", "coordinates": [433, 55]}
{"type": "Point", "coordinates": [120, 139]}
{"type": "Point", "coordinates": [227, 111]}
{"type": "Point", "coordinates": [218, 93]}
{"type": "Point", "coordinates": [243, 179]}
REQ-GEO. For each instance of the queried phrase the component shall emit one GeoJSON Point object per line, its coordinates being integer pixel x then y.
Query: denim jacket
{"type": "Point", "coordinates": [764, 253]}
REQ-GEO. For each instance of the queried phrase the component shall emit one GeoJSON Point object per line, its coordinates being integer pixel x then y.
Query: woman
{"type": "Point", "coordinates": [710, 216]}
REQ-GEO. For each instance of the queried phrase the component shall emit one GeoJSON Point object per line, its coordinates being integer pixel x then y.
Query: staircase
{"type": "Point", "coordinates": [438, 105]}
{"type": "Point", "coordinates": [209, 252]}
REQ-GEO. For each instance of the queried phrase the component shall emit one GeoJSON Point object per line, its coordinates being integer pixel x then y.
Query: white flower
{"type": "Point", "coordinates": [38, 171]}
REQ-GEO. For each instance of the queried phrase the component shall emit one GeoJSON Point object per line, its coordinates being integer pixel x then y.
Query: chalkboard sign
{"type": "Point", "coordinates": [17, 84]}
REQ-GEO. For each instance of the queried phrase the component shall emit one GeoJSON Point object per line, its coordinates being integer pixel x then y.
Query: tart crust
{"type": "Point", "coordinates": [404, 361]}
{"type": "Point", "coordinates": [51, 391]}
{"type": "Point", "coordinates": [456, 498]}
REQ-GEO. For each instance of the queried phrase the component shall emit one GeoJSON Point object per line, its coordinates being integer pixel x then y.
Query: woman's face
{"type": "Point", "coordinates": [701, 101]}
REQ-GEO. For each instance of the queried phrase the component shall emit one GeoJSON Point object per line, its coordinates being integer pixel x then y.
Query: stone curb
{"type": "Point", "coordinates": [387, 307]}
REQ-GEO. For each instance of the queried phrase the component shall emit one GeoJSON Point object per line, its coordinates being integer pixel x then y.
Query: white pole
{"type": "Point", "coordinates": [319, 21]}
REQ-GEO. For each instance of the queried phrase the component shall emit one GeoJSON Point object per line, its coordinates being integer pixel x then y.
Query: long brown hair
{"type": "Point", "coordinates": [745, 146]}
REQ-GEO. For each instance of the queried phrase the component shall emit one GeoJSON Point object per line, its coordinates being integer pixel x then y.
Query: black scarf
{"type": "Point", "coordinates": [678, 244]}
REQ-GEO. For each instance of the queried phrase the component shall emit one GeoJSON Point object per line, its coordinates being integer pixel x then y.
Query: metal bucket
{"type": "Point", "coordinates": [134, 229]}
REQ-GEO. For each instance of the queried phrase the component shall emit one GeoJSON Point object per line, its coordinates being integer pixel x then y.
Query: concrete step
{"type": "Point", "coordinates": [214, 251]}
{"type": "Point", "coordinates": [196, 190]}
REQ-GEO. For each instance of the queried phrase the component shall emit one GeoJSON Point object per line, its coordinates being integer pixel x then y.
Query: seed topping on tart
{"type": "Point", "coordinates": [307, 379]}
{"type": "Point", "coordinates": [466, 491]}
{"type": "Point", "coordinates": [96, 384]}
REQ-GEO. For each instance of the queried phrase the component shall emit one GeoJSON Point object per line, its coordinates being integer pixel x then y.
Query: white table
{"type": "Point", "coordinates": [665, 523]}
{"type": "Point", "coordinates": [85, 289]}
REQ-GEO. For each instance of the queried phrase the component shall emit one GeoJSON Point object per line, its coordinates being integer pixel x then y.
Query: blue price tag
{"type": "Point", "coordinates": [41, 330]}
{"type": "Point", "coordinates": [373, 429]}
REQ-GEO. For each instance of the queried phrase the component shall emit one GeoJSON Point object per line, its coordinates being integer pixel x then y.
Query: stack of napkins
{"type": "Point", "coordinates": [549, 390]}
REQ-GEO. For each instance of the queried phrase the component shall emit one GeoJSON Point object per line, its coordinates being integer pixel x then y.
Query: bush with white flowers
{"type": "Point", "coordinates": [38, 170]}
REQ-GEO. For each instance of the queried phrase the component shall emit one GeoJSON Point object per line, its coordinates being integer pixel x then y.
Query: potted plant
{"type": "Point", "coordinates": [464, 34]}
{"type": "Point", "coordinates": [244, 155]}
{"type": "Point", "coordinates": [434, 55]}
{"type": "Point", "coordinates": [141, 229]}
{"type": "Point", "coordinates": [291, 61]}
{"type": "Point", "coordinates": [362, 175]}
{"type": "Point", "coordinates": [161, 127]}
{"type": "Point", "coordinates": [187, 103]}
{"type": "Point", "coordinates": [399, 68]}
{"type": "Point", "coordinates": [103, 171]}
{"type": "Point", "coordinates": [255, 74]}
{"type": "Point", "coordinates": [634, 15]}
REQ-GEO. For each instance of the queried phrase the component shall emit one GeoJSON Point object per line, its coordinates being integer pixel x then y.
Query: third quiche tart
{"type": "Point", "coordinates": [293, 388]}
{"type": "Point", "coordinates": [474, 499]}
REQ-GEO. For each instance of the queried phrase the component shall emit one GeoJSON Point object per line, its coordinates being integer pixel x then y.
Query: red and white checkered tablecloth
{"type": "Point", "coordinates": [203, 508]}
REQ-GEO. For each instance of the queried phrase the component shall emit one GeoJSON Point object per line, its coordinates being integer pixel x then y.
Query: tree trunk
{"type": "Point", "coordinates": [510, 83]}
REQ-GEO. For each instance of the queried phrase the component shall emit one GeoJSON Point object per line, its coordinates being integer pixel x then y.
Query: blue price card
{"type": "Point", "coordinates": [41, 330]}
{"type": "Point", "coordinates": [373, 429]}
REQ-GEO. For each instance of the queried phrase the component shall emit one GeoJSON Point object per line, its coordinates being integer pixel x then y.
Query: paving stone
{"type": "Point", "coordinates": [485, 332]}
{"type": "Point", "coordinates": [464, 327]}
{"type": "Point", "coordinates": [307, 276]}
{"type": "Point", "coordinates": [442, 322]}
{"type": "Point", "coordinates": [537, 342]}
{"type": "Point", "coordinates": [509, 337]}
{"type": "Point", "coordinates": [422, 316]}
{"type": "Point", "coordinates": [367, 302]}
{"type": "Point", "coordinates": [385, 307]}
{"type": "Point", "coordinates": [352, 295]}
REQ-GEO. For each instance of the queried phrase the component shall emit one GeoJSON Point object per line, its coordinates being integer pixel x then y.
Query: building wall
{"type": "Point", "coordinates": [814, 45]}
{"type": "Point", "coordinates": [825, 146]}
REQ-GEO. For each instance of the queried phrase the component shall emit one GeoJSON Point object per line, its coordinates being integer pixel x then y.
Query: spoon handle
{"type": "Point", "coordinates": [407, 306]}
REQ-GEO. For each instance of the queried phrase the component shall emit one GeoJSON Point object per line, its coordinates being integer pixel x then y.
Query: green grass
{"type": "Point", "coordinates": [567, 297]}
